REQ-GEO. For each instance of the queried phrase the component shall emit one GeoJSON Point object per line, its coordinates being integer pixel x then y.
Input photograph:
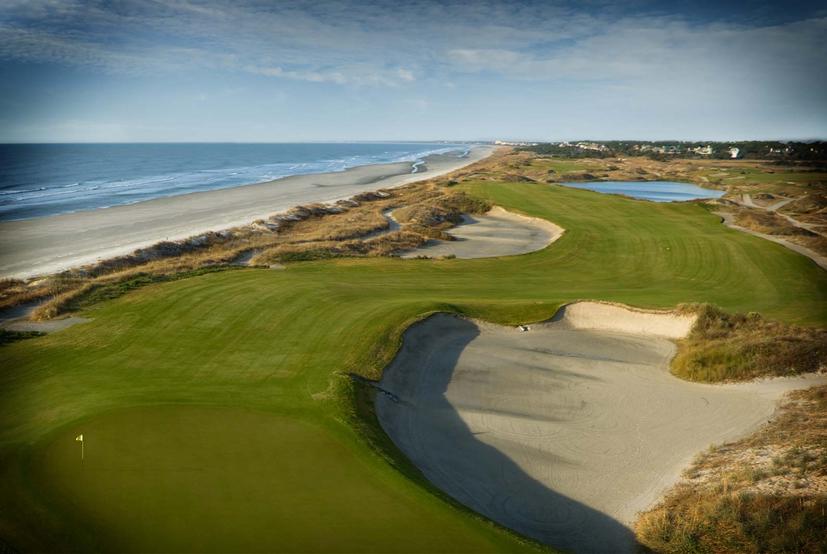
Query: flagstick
{"type": "Point", "coordinates": [79, 439]}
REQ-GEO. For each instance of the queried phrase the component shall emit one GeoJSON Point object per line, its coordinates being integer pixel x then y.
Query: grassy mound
{"type": "Point", "coordinates": [718, 523]}
{"type": "Point", "coordinates": [725, 347]}
{"type": "Point", "coordinates": [8, 337]}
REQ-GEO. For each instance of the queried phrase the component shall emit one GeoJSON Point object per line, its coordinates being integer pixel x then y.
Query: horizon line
{"type": "Point", "coordinates": [415, 141]}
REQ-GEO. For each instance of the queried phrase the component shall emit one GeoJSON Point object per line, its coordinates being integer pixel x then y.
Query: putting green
{"type": "Point", "coordinates": [281, 341]}
{"type": "Point", "coordinates": [188, 478]}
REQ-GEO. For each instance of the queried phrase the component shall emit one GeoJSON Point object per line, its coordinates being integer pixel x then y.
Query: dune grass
{"type": "Point", "coordinates": [314, 232]}
{"type": "Point", "coordinates": [731, 523]}
{"type": "Point", "coordinates": [738, 347]}
{"type": "Point", "coordinates": [281, 342]}
{"type": "Point", "coordinates": [760, 494]}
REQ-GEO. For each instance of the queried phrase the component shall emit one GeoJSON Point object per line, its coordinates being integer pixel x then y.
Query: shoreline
{"type": "Point", "coordinates": [51, 244]}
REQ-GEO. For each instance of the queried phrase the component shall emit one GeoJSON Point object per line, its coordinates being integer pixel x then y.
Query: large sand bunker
{"type": "Point", "coordinates": [495, 233]}
{"type": "Point", "coordinates": [566, 431]}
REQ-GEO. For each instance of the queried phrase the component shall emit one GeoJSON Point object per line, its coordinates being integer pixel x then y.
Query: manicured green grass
{"type": "Point", "coordinates": [279, 341]}
{"type": "Point", "coordinates": [157, 477]}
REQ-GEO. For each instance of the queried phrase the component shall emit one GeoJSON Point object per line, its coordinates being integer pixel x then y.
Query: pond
{"type": "Point", "coordinates": [656, 191]}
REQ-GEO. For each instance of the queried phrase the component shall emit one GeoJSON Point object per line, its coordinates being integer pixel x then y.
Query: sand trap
{"type": "Point", "coordinates": [496, 233]}
{"type": "Point", "coordinates": [566, 431]}
{"type": "Point", "coordinates": [604, 316]}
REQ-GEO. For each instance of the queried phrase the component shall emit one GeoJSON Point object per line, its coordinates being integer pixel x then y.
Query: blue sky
{"type": "Point", "coordinates": [249, 70]}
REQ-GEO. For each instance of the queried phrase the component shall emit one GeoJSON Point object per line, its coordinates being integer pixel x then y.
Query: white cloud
{"type": "Point", "coordinates": [497, 50]}
{"type": "Point", "coordinates": [666, 57]}
{"type": "Point", "coordinates": [354, 74]}
{"type": "Point", "coordinates": [378, 43]}
{"type": "Point", "coordinates": [405, 74]}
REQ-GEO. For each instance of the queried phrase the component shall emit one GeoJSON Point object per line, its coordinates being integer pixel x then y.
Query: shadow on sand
{"type": "Point", "coordinates": [427, 427]}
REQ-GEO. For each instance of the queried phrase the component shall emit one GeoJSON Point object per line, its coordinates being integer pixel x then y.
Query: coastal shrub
{"type": "Point", "coordinates": [8, 337]}
{"type": "Point", "coordinates": [6, 284]}
{"type": "Point", "coordinates": [724, 346]}
{"type": "Point", "coordinates": [463, 203]}
{"type": "Point", "coordinates": [383, 245]}
{"type": "Point", "coordinates": [16, 296]}
{"type": "Point", "coordinates": [428, 233]}
{"type": "Point", "coordinates": [107, 289]}
{"type": "Point", "coordinates": [309, 255]}
{"type": "Point", "coordinates": [769, 223]}
{"type": "Point", "coordinates": [737, 523]}
{"type": "Point", "coordinates": [517, 178]}
{"type": "Point", "coordinates": [439, 210]}
{"type": "Point", "coordinates": [578, 176]}
{"type": "Point", "coordinates": [357, 223]}
{"type": "Point", "coordinates": [398, 241]}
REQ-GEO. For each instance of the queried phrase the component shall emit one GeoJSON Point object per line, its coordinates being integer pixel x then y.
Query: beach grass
{"type": "Point", "coordinates": [759, 494]}
{"type": "Point", "coordinates": [281, 343]}
{"type": "Point", "coordinates": [740, 347]}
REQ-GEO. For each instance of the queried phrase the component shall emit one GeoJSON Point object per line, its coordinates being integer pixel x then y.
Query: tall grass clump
{"type": "Point", "coordinates": [717, 523]}
{"type": "Point", "coordinates": [729, 347]}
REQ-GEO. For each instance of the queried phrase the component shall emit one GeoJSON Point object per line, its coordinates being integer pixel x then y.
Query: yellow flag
{"type": "Point", "coordinates": [79, 438]}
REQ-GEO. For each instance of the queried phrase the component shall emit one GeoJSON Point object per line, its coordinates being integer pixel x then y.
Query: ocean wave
{"type": "Point", "coordinates": [111, 184]}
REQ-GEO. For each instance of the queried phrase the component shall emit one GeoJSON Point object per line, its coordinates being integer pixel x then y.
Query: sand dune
{"type": "Point", "coordinates": [495, 233]}
{"type": "Point", "coordinates": [566, 431]}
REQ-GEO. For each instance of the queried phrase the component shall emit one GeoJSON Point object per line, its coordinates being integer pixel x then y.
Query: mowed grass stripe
{"type": "Point", "coordinates": [280, 342]}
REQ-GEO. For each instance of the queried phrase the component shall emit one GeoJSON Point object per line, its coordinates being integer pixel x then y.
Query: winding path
{"type": "Point", "coordinates": [728, 219]}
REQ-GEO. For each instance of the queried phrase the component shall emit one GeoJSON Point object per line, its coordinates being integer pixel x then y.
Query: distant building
{"type": "Point", "coordinates": [663, 149]}
{"type": "Point", "coordinates": [597, 147]}
{"type": "Point", "coordinates": [703, 150]}
{"type": "Point", "coordinates": [734, 152]}
{"type": "Point", "coordinates": [513, 143]}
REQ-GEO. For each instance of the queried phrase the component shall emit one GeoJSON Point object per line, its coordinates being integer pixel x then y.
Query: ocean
{"type": "Point", "coordinates": [39, 180]}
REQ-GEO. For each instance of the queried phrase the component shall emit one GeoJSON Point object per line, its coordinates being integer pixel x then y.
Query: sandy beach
{"type": "Point", "coordinates": [51, 244]}
{"type": "Point", "coordinates": [563, 432]}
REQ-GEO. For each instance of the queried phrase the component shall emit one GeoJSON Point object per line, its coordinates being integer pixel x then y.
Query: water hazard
{"type": "Point", "coordinates": [656, 191]}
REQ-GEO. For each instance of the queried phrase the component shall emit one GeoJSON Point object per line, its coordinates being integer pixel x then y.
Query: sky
{"type": "Point", "coordinates": [282, 71]}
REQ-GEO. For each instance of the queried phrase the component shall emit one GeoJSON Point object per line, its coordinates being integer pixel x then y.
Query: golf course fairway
{"type": "Point", "coordinates": [234, 384]}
